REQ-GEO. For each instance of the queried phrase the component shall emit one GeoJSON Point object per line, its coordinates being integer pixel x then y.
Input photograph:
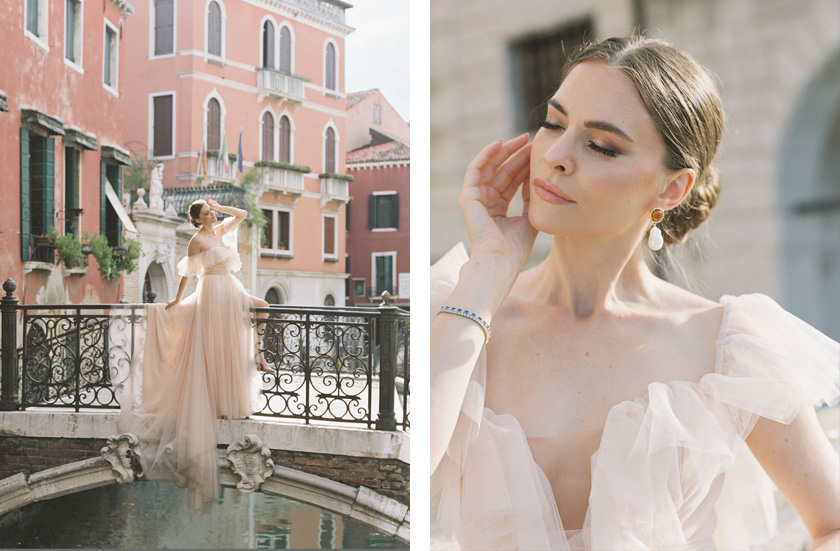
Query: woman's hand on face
{"type": "Point", "coordinates": [212, 203]}
{"type": "Point", "coordinates": [172, 303]}
{"type": "Point", "coordinates": [491, 182]}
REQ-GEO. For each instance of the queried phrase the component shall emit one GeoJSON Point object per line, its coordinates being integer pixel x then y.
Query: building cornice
{"type": "Point", "coordinates": [381, 164]}
{"type": "Point", "coordinates": [324, 14]}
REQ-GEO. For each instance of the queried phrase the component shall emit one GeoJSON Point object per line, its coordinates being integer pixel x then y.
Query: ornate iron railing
{"type": "Point", "coordinates": [344, 365]}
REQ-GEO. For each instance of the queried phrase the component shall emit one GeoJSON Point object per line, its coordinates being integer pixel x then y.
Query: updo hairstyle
{"type": "Point", "coordinates": [682, 99]}
{"type": "Point", "coordinates": [194, 211]}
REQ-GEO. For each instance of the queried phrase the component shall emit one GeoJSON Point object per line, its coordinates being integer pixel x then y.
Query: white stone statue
{"type": "Point", "coordinates": [156, 189]}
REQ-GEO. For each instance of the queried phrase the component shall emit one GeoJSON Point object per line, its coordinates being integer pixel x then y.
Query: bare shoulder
{"type": "Point", "coordinates": [195, 246]}
{"type": "Point", "coordinates": [679, 301]}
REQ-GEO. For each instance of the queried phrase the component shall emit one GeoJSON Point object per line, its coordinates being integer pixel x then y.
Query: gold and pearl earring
{"type": "Point", "coordinates": [655, 240]}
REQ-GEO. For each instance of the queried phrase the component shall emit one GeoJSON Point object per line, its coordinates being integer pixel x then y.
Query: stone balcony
{"type": "Point", "coordinates": [285, 87]}
{"type": "Point", "coordinates": [283, 180]}
{"type": "Point", "coordinates": [335, 188]}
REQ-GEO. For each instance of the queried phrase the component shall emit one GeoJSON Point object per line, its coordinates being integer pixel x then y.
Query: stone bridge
{"type": "Point", "coordinates": [360, 473]}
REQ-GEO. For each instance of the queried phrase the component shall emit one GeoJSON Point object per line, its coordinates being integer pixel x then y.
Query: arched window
{"type": "Point", "coordinates": [267, 137]}
{"type": "Point", "coordinates": [285, 139]}
{"type": "Point", "coordinates": [214, 29]}
{"type": "Point", "coordinates": [273, 297]}
{"type": "Point", "coordinates": [268, 45]}
{"type": "Point", "coordinates": [214, 124]}
{"type": "Point", "coordinates": [329, 151]}
{"type": "Point", "coordinates": [329, 63]}
{"type": "Point", "coordinates": [285, 50]}
{"type": "Point", "coordinates": [329, 300]}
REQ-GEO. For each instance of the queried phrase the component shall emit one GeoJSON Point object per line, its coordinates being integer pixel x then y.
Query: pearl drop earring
{"type": "Point", "coordinates": [655, 240]}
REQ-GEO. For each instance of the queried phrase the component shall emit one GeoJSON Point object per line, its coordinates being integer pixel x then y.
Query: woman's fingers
{"type": "Point", "coordinates": [521, 177]}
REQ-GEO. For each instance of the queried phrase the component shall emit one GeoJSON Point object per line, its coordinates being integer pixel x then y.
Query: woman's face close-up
{"type": "Point", "coordinates": [597, 162]}
{"type": "Point", "coordinates": [207, 216]}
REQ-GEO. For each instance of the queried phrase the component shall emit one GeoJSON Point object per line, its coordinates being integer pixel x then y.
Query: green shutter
{"type": "Point", "coordinates": [24, 194]}
{"type": "Point", "coordinates": [49, 184]}
{"type": "Point", "coordinates": [371, 211]}
{"type": "Point", "coordinates": [395, 211]}
{"type": "Point", "coordinates": [103, 201]}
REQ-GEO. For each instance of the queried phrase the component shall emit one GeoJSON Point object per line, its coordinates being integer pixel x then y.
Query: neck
{"type": "Point", "coordinates": [586, 275]}
{"type": "Point", "coordinates": [209, 230]}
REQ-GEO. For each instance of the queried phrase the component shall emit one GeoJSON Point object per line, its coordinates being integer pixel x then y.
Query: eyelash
{"type": "Point", "coordinates": [592, 145]}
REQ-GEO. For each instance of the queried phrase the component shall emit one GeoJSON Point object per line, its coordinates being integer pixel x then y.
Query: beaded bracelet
{"type": "Point", "coordinates": [469, 315]}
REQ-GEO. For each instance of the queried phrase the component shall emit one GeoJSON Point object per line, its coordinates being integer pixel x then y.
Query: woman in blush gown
{"type": "Point", "coordinates": [198, 362]}
{"type": "Point", "coordinates": [586, 403]}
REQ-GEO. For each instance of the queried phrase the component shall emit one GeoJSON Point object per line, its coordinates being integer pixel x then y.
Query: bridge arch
{"type": "Point", "coordinates": [360, 504]}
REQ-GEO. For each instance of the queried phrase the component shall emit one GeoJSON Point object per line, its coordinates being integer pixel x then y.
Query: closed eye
{"type": "Point", "coordinates": [550, 125]}
{"type": "Point", "coordinates": [602, 150]}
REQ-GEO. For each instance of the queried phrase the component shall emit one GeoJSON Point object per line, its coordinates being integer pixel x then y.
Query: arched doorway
{"type": "Point", "coordinates": [274, 296]}
{"type": "Point", "coordinates": [155, 282]}
{"type": "Point", "coordinates": [809, 186]}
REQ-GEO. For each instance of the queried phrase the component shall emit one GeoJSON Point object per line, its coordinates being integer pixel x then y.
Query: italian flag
{"type": "Point", "coordinates": [225, 158]}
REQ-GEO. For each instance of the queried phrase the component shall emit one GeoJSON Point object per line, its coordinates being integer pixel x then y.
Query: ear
{"type": "Point", "coordinates": [678, 187]}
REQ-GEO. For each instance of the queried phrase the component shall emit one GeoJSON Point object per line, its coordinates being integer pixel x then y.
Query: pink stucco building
{"type": "Point", "coordinates": [378, 244]}
{"type": "Point", "coordinates": [204, 71]}
{"type": "Point", "coordinates": [61, 140]}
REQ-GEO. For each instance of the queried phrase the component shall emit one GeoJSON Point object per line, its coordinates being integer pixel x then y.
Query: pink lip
{"type": "Point", "coordinates": [551, 193]}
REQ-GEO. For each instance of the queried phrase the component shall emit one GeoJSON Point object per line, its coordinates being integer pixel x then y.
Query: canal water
{"type": "Point", "coordinates": [155, 515]}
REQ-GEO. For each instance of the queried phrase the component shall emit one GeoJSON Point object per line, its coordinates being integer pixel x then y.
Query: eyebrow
{"type": "Point", "coordinates": [598, 125]}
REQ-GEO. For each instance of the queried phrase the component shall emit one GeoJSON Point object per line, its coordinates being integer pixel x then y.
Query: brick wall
{"type": "Point", "coordinates": [389, 477]}
{"type": "Point", "coordinates": [30, 455]}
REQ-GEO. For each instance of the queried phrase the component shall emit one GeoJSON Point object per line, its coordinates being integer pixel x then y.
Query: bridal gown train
{"type": "Point", "coordinates": [671, 470]}
{"type": "Point", "coordinates": [197, 366]}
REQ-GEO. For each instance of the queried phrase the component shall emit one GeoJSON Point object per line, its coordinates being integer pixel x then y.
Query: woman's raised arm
{"type": "Point", "coordinates": [500, 247]}
{"type": "Point", "coordinates": [238, 215]}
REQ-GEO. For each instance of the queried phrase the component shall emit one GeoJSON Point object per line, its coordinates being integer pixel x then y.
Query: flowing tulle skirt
{"type": "Point", "coordinates": [197, 366]}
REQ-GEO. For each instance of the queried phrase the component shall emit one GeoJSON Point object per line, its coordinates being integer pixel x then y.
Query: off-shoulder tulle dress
{"type": "Point", "coordinates": [197, 366]}
{"type": "Point", "coordinates": [671, 471]}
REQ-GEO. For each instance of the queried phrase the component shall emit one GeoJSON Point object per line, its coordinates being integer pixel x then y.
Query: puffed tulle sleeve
{"type": "Point", "coordinates": [771, 362]}
{"type": "Point", "coordinates": [487, 492]}
{"type": "Point", "coordinates": [190, 266]}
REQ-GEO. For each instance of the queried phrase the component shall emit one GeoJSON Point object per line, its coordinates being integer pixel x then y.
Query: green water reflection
{"type": "Point", "coordinates": [155, 515]}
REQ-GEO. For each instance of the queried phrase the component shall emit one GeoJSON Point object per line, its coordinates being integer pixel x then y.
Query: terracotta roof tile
{"type": "Point", "coordinates": [390, 151]}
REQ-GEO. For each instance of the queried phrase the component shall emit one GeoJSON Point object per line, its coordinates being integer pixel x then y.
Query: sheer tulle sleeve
{"type": "Point", "coordinates": [770, 361]}
{"type": "Point", "coordinates": [773, 360]}
{"type": "Point", "coordinates": [487, 492]}
{"type": "Point", "coordinates": [190, 265]}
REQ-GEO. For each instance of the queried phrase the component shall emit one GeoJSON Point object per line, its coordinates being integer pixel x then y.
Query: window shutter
{"type": "Point", "coordinates": [113, 225]}
{"type": "Point", "coordinates": [214, 124]}
{"type": "Point", "coordinates": [347, 216]}
{"type": "Point", "coordinates": [162, 146]}
{"type": "Point", "coordinates": [285, 140]}
{"type": "Point", "coordinates": [395, 210]}
{"type": "Point", "coordinates": [329, 152]}
{"type": "Point", "coordinates": [285, 50]}
{"type": "Point", "coordinates": [32, 16]}
{"type": "Point", "coordinates": [268, 45]}
{"type": "Point", "coordinates": [371, 211]}
{"type": "Point", "coordinates": [283, 229]}
{"type": "Point", "coordinates": [48, 215]}
{"type": "Point", "coordinates": [214, 29]}
{"type": "Point", "coordinates": [24, 193]}
{"type": "Point", "coordinates": [70, 163]}
{"type": "Point", "coordinates": [267, 137]}
{"type": "Point", "coordinates": [329, 235]}
{"type": "Point", "coordinates": [330, 67]}
{"type": "Point", "coordinates": [103, 201]}
{"type": "Point", "coordinates": [69, 28]}
{"type": "Point", "coordinates": [164, 27]}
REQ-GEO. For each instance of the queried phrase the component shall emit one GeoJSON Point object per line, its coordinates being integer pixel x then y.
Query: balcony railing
{"type": "Point", "coordinates": [281, 85]}
{"type": "Point", "coordinates": [281, 179]}
{"type": "Point", "coordinates": [335, 188]}
{"type": "Point", "coordinates": [346, 365]}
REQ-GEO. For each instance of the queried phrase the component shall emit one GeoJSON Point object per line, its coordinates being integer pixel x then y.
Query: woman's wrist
{"type": "Point", "coordinates": [483, 284]}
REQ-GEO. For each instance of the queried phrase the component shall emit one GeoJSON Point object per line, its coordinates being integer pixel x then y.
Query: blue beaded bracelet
{"type": "Point", "coordinates": [469, 315]}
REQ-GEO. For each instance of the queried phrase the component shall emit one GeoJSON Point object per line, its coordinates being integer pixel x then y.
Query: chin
{"type": "Point", "coordinates": [546, 219]}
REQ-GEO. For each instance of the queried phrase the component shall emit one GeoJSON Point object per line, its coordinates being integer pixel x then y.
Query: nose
{"type": "Point", "coordinates": [559, 155]}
